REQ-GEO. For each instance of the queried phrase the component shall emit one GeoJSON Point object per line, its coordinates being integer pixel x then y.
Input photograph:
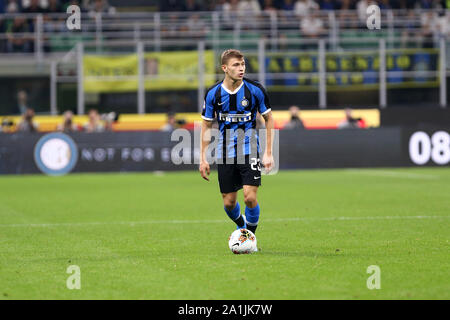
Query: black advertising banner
{"type": "Point", "coordinates": [16, 153]}
{"type": "Point", "coordinates": [340, 148]}
{"type": "Point", "coordinates": [58, 154]}
{"type": "Point", "coordinates": [130, 151]}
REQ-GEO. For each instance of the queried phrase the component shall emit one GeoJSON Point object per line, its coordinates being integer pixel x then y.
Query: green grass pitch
{"type": "Point", "coordinates": [165, 236]}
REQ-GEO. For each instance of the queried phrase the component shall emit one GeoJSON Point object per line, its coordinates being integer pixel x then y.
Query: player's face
{"type": "Point", "coordinates": [234, 69]}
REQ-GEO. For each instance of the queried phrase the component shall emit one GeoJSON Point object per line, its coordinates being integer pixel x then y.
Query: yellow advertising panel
{"type": "Point", "coordinates": [110, 73]}
{"type": "Point", "coordinates": [162, 71]}
{"type": "Point", "coordinates": [176, 70]}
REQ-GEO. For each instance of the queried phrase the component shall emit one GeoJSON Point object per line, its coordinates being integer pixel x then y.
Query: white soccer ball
{"type": "Point", "coordinates": [242, 241]}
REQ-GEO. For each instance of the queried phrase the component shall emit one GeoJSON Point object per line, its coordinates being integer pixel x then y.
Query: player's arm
{"type": "Point", "coordinates": [205, 137]}
{"type": "Point", "coordinates": [266, 112]}
{"type": "Point", "coordinates": [267, 160]}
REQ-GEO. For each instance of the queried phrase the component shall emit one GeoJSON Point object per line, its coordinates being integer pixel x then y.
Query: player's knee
{"type": "Point", "coordinates": [229, 203]}
{"type": "Point", "coordinates": [250, 200]}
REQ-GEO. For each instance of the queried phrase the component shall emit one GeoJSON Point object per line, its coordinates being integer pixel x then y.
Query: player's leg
{"type": "Point", "coordinates": [250, 172]}
{"type": "Point", "coordinates": [233, 209]}
{"type": "Point", "coordinates": [251, 207]}
{"type": "Point", "coordinates": [230, 182]}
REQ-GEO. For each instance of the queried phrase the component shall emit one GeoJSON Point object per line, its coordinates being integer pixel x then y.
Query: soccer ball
{"type": "Point", "coordinates": [242, 241]}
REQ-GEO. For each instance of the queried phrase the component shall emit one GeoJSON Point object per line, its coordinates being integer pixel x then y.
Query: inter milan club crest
{"type": "Point", "coordinates": [244, 103]}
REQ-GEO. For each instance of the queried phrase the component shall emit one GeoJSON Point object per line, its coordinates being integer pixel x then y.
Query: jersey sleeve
{"type": "Point", "coordinates": [263, 100]}
{"type": "Point", "coordinates": [208, 107]}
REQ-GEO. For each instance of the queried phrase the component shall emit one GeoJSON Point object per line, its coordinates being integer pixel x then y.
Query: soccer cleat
{"type": "Point", "coordinates": [245, 224]}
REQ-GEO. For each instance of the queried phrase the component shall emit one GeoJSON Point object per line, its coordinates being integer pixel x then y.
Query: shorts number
{"type": "Point", "coordinates": [255, 164]}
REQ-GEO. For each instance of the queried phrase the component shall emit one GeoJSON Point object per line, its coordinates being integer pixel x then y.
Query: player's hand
{"type": "Point", "coordinates": [204, 170]}
{"type": "Point", "coordinates": [268, 162]}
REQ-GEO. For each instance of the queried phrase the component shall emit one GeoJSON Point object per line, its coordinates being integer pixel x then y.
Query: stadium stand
{"type": "Point", "coordinates": [174, 20]}
{"type": "Point", "coordinates": [35, 30]}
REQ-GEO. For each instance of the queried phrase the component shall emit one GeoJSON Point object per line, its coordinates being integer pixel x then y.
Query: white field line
{"type": "Point", "coordinates": [392, 174]}
{"type": "Point", "coordinates": [134, 223]}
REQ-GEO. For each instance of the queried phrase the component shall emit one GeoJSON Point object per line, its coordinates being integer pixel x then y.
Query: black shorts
{"type": "Point", "coordinates": [233, 176]}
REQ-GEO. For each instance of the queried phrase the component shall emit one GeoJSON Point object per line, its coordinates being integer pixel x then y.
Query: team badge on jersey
{"type": "Point", "coordinates": [244, 102]}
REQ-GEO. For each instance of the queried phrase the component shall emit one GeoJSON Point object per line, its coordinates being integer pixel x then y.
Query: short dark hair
{"type": "Point", "coordinates": [230, 53]}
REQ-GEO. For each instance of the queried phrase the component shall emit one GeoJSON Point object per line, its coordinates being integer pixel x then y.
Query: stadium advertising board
{"type": "Point", "coordinates": [57, 154]}
{"type": "Point", "coordinates": [284, 72]}
{"type": "Point", "coordinates": [162, 71]}
{"type": "Point", "coordinates": [299, 71]}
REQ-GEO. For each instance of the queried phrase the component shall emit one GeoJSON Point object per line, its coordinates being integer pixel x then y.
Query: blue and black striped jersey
{"type": "Point", "coordinates": [233, 111]}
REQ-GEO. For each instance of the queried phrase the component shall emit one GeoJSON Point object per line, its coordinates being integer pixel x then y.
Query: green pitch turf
{"type": "Point", "coordinates": [164, 236]}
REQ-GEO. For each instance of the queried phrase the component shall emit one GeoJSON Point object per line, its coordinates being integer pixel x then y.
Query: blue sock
{"type": "Point", "coordinates": [252, 216]}
{"type": "Point", "coordinates": [235, 215]}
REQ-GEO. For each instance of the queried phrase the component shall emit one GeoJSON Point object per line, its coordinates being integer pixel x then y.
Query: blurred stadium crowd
{"type": "Point", "coordinates": [18, 22]}
{"type": "Point", "coordinates": [296, 6]}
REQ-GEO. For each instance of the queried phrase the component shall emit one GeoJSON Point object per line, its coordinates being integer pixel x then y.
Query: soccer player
{"type": "Point", "coordinates": [234, 102]}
